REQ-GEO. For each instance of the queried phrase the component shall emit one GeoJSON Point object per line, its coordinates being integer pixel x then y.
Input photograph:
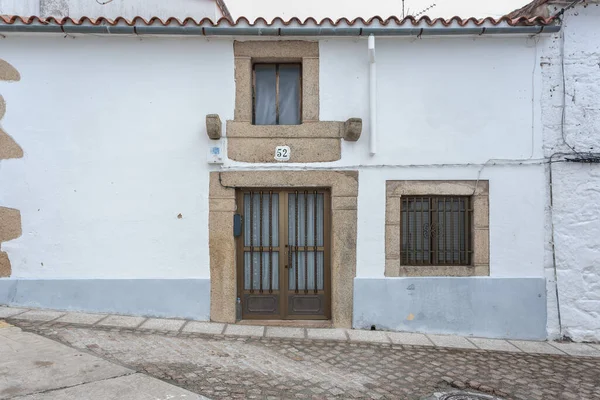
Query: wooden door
{"type": "Point", "coordinates": [283, 254]}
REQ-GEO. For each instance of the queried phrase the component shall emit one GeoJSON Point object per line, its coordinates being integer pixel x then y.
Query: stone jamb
{"type": "Point", "coordinates": [223, 276]}
{"type": "Point", "coordinates": [479, 193]}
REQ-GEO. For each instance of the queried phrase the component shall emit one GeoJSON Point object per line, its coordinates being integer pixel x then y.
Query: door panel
{"type": "Point", "coordinates": [284, 254]}
{"type": "Point", "coordinates": [306, 244]}
{"type": "Point", "coordinates": [259, 250]}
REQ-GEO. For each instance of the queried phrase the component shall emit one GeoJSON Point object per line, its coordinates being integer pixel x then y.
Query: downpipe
{"type": "Point", "coordinates": [372, 97]}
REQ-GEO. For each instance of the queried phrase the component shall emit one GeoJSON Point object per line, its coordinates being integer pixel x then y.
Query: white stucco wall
{"type": "Point", "coordinates": [115, 146]}
{"type": "Point", "coordinates": [113, 131]}
{"type": "Point", "coordinates": [446, 106]}
{"type": "Point", "coordinates": [576, 211]}
{"type": "Point", "coordinates": [115, 8]}
{"type": "Point", "coordinates": [444, 101]}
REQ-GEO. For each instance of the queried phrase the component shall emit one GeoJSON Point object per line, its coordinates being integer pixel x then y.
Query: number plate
{"type": "Point", "coordinates": [282, 153]}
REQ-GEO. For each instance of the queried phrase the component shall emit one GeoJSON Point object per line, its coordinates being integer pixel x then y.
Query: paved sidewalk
{"type": "Point", "coordinates": [343, 335]}
{"type": "Point", "coordinates": [249, 362]}
{"type": "Point", "coordinates": [36, 368]}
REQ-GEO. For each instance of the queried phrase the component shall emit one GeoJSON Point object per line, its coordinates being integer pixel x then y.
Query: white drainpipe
{"type": "Point", "coordinates": [372, 97]}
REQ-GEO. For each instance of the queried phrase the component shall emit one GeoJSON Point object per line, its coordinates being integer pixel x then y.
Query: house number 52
{"type": "Point", "coordinates": [282, 153]}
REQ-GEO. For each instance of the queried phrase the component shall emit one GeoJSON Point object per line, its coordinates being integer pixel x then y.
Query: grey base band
{"type": "Point", "coordinates": [170, 298]}
{"type": "Point", "coordinates": [508, 308]}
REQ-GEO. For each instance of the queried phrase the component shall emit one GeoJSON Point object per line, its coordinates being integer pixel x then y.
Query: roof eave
{"type": "Point", "coordinates": [274, 30]}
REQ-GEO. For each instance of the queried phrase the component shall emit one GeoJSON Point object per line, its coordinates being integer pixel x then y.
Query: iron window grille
{"type": "Point", "coordinates": [277, 94]}
{"type": "Point", "coordinates": [436, 230]}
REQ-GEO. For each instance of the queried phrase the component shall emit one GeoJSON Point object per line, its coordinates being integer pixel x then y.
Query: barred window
{"type": "Point", "coordinates": [436, 230]}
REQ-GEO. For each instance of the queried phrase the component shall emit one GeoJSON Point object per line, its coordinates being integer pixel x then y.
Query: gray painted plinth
{"type": "Point", "coordinates": [171, 298]}
{"type": "Point", "coordinates": [508, 308]}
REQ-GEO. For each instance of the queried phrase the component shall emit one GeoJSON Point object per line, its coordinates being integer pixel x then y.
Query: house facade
{"type": "Point", "coordinates": [389, 174]}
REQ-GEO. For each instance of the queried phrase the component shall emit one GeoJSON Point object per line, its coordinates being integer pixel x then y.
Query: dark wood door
{"type": "Point", "coordinates": [283, 254]}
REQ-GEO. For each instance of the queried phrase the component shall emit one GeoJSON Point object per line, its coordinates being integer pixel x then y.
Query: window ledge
{"type": "Point", "coordinates": [317, 129]}
{"type": "Point", "coordinates": [318, 141]}
{"type": "Point", "coordinates": [394, 269]}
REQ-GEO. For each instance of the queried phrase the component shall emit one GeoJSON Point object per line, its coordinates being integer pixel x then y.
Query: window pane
{"type": "Point", "coordinates": [289, 94]}
{"type": "Point", "coordinates": [253, 264]}
{"type": "Point", "coordinates": [306, 202]}
{"type": "Point", "coordinates": [264, 94]}
{"type": "Point", "coordinates": [270, 237]}
{"type": "Point", "coordinates": [306, 281]}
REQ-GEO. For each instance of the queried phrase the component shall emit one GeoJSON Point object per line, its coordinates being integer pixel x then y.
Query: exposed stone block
{"type": "Point", "coordinates": [213, 126]}
{"type": "Point", "coordinates": [352, 129]}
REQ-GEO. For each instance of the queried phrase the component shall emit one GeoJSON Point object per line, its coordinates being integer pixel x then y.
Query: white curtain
{"type": "Point", "coordinates": [289, 94]}
{"type": "Point", "coordinates": [303, 266]}
{"type": "Point", "coordinates": [265, 102]}
{"type": "Point", "coordinates": [306, 237]}
{"type": "Point", "coordinates": [265, 94]}
{"type": "Point", "coordinates": [252, 238]}
{"type": "Point", "coordinates": [256, 219]}
{"type": "Point", "coordinates": [266, 268]}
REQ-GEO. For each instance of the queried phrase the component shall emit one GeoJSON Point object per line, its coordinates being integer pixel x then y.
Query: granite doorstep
{"type": "Point", "coordinates": [536, 347]}
{"type": "Point", "coordinates": [327, 334]}
{"type": "Point", "coordinates": [81, 318]}
{"type": "Point", "coordinates": [122, 321]}
{"type": "Point", "coordinates": [244, 330]}
{"type": "Point", "coordinates": [576, 349]}
{"type": "Point", "coordinates": [451, 341]}
{"type": "Point", "coordinates": [6, 312]}
{"type": "Point", "coordinates": [408, 338]}
{"type": "Point", "coordinates": [368, 336]}
{"type": "Point", "coordinates": [213, 328]}
{"type": "Point", "coordinates": [284, 332]}
{"type": "Point", "coordinates": [39, 315]}
{"type": "Point", "coordinates": [163, 324]}
{"type": "Point", "coordinates": [494, 345]}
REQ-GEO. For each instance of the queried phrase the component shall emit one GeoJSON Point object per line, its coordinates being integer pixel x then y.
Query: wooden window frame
{"type": "Point", "coordinates": [277, 65]}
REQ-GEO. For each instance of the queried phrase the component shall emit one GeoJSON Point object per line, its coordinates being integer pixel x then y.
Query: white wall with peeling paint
{"type": "Point", "coordinates": [573, 223]}
{"type": "Point", "coordinates": [117, 147]}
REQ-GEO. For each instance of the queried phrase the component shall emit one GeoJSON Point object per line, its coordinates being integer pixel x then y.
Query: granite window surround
{"type": "Point", "coordinates": [478, 191]}
{"type": "Point", "coordinates": [310, 141]}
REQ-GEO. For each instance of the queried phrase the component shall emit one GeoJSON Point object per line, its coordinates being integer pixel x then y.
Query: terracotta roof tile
{"type": "Point", "coordinates": [242, 21]}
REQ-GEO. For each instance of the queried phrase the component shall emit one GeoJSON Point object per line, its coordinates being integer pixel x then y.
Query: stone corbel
{"type": "Point", "coordinates": [352, 129]}
{"type": "Point", "coordinates": [213, 126]}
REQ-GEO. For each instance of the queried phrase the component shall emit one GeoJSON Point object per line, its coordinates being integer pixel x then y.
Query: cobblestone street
{"type": "Point", "coordinates": [223, 367]}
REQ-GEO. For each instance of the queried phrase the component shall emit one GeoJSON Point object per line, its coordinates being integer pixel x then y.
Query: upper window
{"type": "Point", "coordinates": [435, 230]}
{"type": "Point", "coordinates": [277, 94]}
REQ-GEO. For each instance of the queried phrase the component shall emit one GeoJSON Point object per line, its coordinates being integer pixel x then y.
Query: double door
{"type": "Point", "coordinates": [283, 254]}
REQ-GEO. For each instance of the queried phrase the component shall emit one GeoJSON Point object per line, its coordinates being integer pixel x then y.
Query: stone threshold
{"type": "Point", "coordinates": [300, 333]}
{"type": "Point", "coordinates": [294, 323]}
